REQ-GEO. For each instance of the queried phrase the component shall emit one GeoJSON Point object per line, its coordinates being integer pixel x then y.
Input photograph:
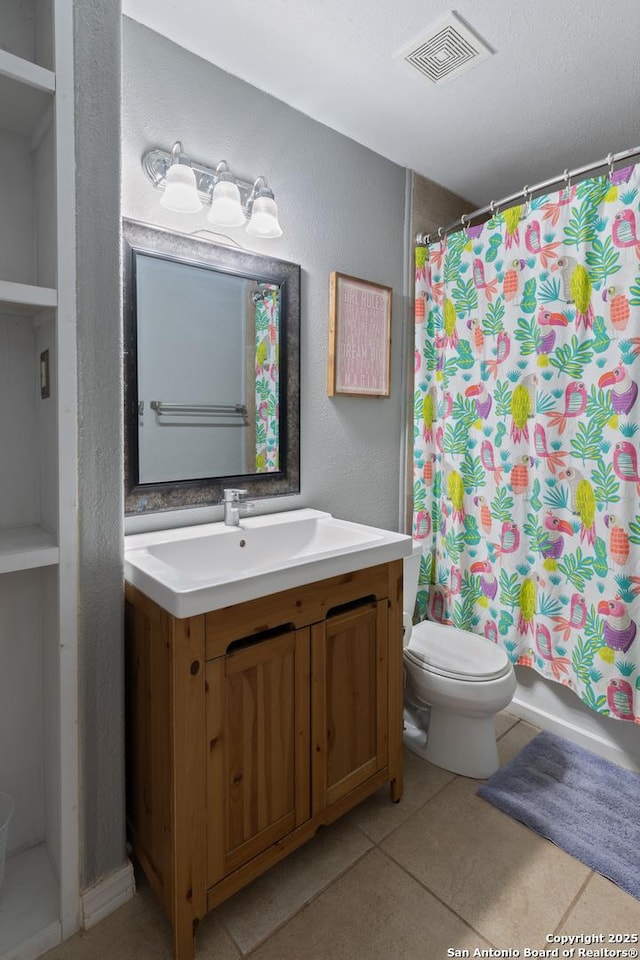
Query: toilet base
{"type": "Point", "coordinates": [463, 745]}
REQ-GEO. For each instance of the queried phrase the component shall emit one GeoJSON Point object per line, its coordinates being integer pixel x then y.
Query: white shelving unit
{"type": "Point", "coordinates": [39, 897]}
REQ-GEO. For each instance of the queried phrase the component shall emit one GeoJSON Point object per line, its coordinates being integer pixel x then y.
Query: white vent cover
{"type": "Point", "coordinates": [446, 51]}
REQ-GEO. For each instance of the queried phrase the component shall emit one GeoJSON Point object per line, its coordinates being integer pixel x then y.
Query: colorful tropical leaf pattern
{"type": "Point", "coordinates": [526, 420]}
{"type": "Point", "coordinates": [267, 322]}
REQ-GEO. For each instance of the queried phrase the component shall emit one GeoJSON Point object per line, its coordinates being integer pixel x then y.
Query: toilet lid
{"type": "Point", "coordinates": [455, 653]}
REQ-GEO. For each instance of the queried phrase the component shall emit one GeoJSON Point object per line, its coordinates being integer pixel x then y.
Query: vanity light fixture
{"type": "Point", "coordinates": [181, 191]}
{"type": "Point", "coordinates": [264, 212]}
{"type": "Point", "coordinates": [226, 205]}
{"type": "Point", "coordinates": [232, 202]}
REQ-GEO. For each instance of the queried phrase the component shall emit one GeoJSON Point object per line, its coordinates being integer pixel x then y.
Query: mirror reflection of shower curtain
{"type": "Point", "coordinates": [266, 370]}
{"type": "Point", "coordinates": [526, 420]}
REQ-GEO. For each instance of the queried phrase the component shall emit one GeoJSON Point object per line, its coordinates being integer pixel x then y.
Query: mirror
{"type": "Point", "coordinates": [211, 371]}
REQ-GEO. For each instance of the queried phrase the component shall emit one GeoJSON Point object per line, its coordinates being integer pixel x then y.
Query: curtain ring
{"type": "Point", "coordinates": [440, 234]}
{"type": "Point", "coordinates": [427, 239]}
{"type": "Point", "coordinates": [493, 206]}
{"type": "Point", "coordinates": [525, 194]}
{"type": "Point", "coordinates": [464, 220]}
{"type": "Point", "coordinates": [567, 178]}
{"type": "Point", "coordinates": [610, 162]}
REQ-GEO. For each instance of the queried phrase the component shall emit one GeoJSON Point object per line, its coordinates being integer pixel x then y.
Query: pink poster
{"type": "Point", "coordinates": [359, 350]}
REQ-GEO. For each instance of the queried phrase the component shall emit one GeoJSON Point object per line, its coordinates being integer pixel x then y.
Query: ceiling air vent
{"type": "Point", "coordinates": [446, 51]}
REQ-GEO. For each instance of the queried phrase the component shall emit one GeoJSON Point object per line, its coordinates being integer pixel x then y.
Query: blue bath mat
{"type": "Point", "coordinates": [588, 806]}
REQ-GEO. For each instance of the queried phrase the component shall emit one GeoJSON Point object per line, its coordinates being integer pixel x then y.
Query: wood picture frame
{"type": "Point", "coordinates": [359, 361]}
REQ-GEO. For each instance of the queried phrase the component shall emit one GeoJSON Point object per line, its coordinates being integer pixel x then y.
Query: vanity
{"type": "Point", "coordinates": [263, 655]}
{"type": "Point", "coordinates": [264, 695]}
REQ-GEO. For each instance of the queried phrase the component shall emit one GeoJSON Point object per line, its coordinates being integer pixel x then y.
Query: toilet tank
{"type": "Point", "coordinates": [411, 573]}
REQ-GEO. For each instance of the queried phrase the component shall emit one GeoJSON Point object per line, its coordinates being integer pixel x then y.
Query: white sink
{"type": "Point", "coordinates": [190, 570]}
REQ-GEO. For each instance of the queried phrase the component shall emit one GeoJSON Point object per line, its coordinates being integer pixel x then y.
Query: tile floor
{"type": "Point", "coordinates": [441, 871]}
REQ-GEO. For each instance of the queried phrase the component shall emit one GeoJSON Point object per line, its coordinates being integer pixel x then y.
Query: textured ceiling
{"type": "Point", "coordinates": [562, 89]}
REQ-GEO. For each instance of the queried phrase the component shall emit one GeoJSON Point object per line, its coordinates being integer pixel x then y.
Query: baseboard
{"type": "Point", "coordinates": [107, 895]}
{"type": "Point", "coordinates": [585, 738]}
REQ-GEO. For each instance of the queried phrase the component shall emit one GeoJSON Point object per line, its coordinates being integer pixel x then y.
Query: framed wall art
{"type": "Point", "coordinates": [359, 337]}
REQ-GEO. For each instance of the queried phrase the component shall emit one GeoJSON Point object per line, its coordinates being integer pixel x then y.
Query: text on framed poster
{"type": "Point", "coordinates": [359, 337]}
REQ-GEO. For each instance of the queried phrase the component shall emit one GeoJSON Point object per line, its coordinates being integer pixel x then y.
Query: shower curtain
{"type": "Point", "coordinates": [267, 322]}
{"type": "Point", "coordinates": [526, 463]}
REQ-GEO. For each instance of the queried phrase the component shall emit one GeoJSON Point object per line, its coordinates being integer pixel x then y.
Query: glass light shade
{"type": "Point", "coordinates": [226, 209]}
{"type": "Point", "coordinates": [264, 219]}
{"type": "Point", "coordinates": [181, 191]}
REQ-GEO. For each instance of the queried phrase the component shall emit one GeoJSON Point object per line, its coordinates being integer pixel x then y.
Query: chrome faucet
{"type": "Point", "coordinates": [231, 501]}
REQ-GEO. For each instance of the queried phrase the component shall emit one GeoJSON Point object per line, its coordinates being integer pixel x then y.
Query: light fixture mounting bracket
{"type": "Point", "coordinates": [155, 164]}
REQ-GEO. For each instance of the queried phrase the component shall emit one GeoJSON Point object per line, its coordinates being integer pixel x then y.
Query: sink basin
{"type": "Point", "coordinates": [190, 570]}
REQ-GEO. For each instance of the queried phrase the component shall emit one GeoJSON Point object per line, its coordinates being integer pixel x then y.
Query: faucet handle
{"type": "Point", "coordinates": [232, 494]}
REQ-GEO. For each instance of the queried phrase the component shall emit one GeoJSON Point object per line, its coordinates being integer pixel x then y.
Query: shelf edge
{"type": "Point", "coordinates": [24, 71]}
{"type": "Point", "coordinates": [27, 294]}
{"type": "Point", "coordinates": [29, 560]}
{"type": "Point", "coordinates": [25, 548]}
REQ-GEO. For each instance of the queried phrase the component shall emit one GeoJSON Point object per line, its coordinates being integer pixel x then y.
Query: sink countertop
{"type": "Point", "coordinates": [190, 570]}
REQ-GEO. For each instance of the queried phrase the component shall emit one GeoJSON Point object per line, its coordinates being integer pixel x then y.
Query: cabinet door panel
{"type": "Point", "coordinates": [350, 719]}
{"type": "Point", "coordinates": [258, 726]}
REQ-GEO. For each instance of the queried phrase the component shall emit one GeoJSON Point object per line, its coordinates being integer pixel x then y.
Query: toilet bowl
{"type": "Point", "coordinates": [455, 683]}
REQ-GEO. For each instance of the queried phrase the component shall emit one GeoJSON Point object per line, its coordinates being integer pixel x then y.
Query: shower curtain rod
{"type": "Point", "coordinates": [527, 192]}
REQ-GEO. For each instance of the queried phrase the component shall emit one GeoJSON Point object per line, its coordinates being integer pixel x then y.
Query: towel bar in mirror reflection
{"type": "Point", "coordinates": [180, 413]}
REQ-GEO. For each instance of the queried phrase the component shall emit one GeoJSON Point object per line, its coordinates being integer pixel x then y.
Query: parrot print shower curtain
{"type": "Point", "coordinates": [526, 430]}
{"type": "Point", "coordinates": [267, 322]}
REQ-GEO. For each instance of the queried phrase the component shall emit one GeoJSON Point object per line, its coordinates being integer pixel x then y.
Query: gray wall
{"type": "Point", "coordinates": [341, 207]}
{"type": "Point", "coordinates": [97, 83]}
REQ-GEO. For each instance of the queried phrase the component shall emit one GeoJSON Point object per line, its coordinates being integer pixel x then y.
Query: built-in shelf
{"type": "Point", "coordinates": [39, 896]}
{"type": "Point", "coordinates": [29, 905]}
{"type": "Point", "coordinates": [24, 548]}
{"type": "Point", "coordinates": [26, 296]}
{"type": "Point", "coordinates": [22, 105]}
{"type": "Point", "coordinates": [26, 72]}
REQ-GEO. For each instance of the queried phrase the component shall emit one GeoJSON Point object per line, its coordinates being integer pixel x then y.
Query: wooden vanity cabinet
{"type": "Point", "coordinates": [257, 730]}
{"type": "Point", "coordinates": [251, 726]}
{"type": "Point", "coordinates": [349, 701]}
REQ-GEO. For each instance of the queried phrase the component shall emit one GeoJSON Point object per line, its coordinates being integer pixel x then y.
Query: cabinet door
{"type": "Point", "coordinates": [258, 781]}
{"type": "Point", "coordinates": [349, 700]}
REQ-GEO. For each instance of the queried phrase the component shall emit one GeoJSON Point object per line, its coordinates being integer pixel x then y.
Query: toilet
{"type": "Point", "coordinates": [455, 683]}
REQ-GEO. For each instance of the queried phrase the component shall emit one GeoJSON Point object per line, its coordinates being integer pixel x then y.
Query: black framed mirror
{"type": "Point", "coordinates": [212, 371]}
